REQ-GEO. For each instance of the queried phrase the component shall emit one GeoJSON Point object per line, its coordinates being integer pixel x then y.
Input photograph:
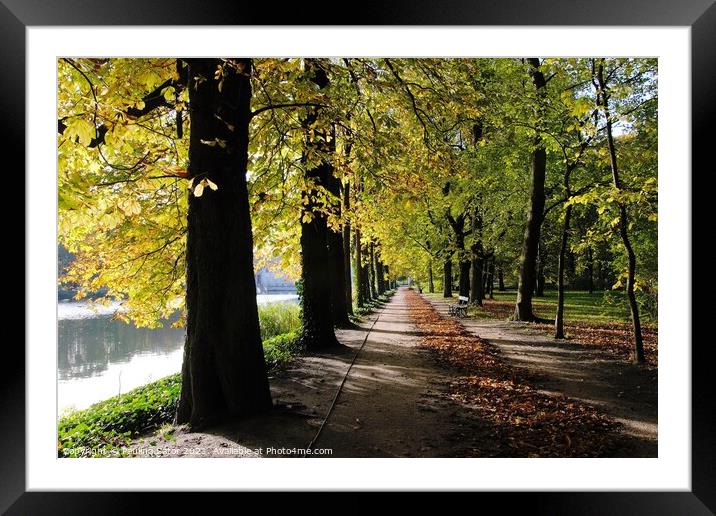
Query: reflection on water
{"type": "Point", "coordinates": [86, 347]}
{"type": "Point", "coordinates": [99, 358]}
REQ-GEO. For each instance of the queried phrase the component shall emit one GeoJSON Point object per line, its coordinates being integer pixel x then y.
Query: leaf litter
{"type": "Point", "coordinates": [527, 422]}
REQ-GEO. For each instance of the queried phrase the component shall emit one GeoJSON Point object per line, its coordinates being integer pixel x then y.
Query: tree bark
{"type": "Point", "coordinates": [500, 280]}
{"type": "Point", "coordinates": [603, 99]}
{"type": "Point", "coordinates": [559, 318]}
{"type": "Point", "coordinates": [371, 272]}
{"type": "Point", "coordinates": [447, 277]}
{"type": "Point", "coordinates": [360, 279]}
{"type": "Point", "coordinates": [223, 372]}
{"type": "Point", "coordinates": [525, 287]}
{"type": "Point", "coordinates": [347, 249]}
{"type": "Point", "coordinates": [539, 286]}
{"type": "Point", "coordinates": [492, 279]}
{"type": "Point", "coordinates": [458, 226]}
{"type": "Point", "coordinates": [318, 266]}
{"type": "Point", "coordinates": [366, 282]}
{"type": "Point", "coordinates": [476, 293]}
{"type": "Point", "coordinates": [431, 285]}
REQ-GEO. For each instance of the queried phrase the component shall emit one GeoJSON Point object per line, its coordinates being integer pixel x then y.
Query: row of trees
{"type": "Point", "coordinates": [178, 176]}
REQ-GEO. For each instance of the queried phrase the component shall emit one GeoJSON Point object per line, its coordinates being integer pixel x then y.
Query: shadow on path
{"type": "Point", "coordinates": [624, 391]}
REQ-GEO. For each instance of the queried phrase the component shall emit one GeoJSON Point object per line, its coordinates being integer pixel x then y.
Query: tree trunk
{"type": "Point", "coordinates": [464, 264]}
{"type": "Point", "coordinates": [318, 266]}
{"type": "Point", "coordinates": [525, 287]}
{"type": "Point", "coordinates": [371, 266]}
{"type": "Point", "coordinates": [500, 280]}
{"type": "Point", "coordinates": [447, 277]}
{"type": "Point", "coordinates": [379, 277]}
{"type": "Point", "coordinates": [476, 294]}
{"type": "Point", "coordinates": [347, 248]}
{"type": "Point", "coordinates": [360, 279]}
{"type": "Point", "coordinates": [431, 285]}
{"type": "Point", "coordinates": [539, 286]}
{"type": "Point", "coordinates": [590, 270]}
{"type": "Point", "coordinates": [559, 318]}
{"type": "Point", "coordinates": [223, 373]}
{"type": "Point", "coordinates": [335, 251]}
{"type": "Point", "coordinates": [366, 282]}
{"type": "Point", "coordinates": [638, 355]}
{"type": "Point", "coordinates": [486, 278]}
{"type": "Point", "coordinates": [492, 278]}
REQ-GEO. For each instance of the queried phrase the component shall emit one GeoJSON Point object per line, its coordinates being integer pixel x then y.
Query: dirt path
{"type": "Point", "coordinates": [626, 392]}
{"type": "Point", "coordinates": [395, 400]}
{"type": "Point", "coordinates": [392, 403]}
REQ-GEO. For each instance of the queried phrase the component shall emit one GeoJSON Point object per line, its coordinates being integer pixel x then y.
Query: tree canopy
{"type": "Point", "coordinates": [434, 156]}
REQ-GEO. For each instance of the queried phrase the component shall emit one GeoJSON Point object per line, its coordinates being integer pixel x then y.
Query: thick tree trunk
{"type": "Point", "coordinates": [338, 291]}
{"type": "Point", "coordinates": [559, 318]}
{"type": "Point", "coordinates": [318, 262]}
{"type": "Point", "coordinates": [447, 277]}
{"type": "Point", "coordinates": [638, 355]}
{"type": "Point", "coordinates": [224, 373]}
{"type": "Point", "coordinates": [464, 281]}
{"type": "Point", "coordinates": [500, 280]}
{"type": "Point", "coordinates": [347, 249]}
{"type": "Point", "coordinates": [335, 251]}
{"type": "Point", "coordinates": [366, 282]}
{"type": "Point", "coordinates": [458, 227]}
{"type": "Point", "coordinates": [528, 262]}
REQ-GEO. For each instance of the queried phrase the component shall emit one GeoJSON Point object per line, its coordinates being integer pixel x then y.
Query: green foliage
{"type": "Point", "coordinates": [279, 318]}
{"type": "Point", "coordinates": [105, 428]}
{"type": "Point", "coordinates": [407, 141]}
{"type": "Point", "coordinates": [279, 350]}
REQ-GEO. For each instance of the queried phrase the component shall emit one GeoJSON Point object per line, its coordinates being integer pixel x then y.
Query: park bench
{"type": "Point", "coordinates": [459, 309]}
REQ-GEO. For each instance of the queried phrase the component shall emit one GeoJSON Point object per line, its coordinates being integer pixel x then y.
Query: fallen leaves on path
{"type": "Point", "coordinates": [615, 338]}
{"type": "Point", "coordinates": [527, 422]}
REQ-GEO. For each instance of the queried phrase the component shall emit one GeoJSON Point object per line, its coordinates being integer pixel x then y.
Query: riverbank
{"type": "Point", "coordinates": [106, 428]}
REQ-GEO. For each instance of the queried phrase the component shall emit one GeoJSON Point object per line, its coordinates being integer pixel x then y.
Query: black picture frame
{"type": "Point", "coordinates": [700, 15]}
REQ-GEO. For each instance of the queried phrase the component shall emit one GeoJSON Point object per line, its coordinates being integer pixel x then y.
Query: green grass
{"type": "Point", "coordinates": [279, 319]}
{"type": "Point", "coordinates": [599, 306]}
{"type": "Point", "coordinates": [579, 306]}
{"type": "Point", "coordinates": [107, 427]}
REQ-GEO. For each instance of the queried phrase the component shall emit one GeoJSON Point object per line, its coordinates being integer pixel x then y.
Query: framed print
{"type": "Point", "coordinates": [462, 254]}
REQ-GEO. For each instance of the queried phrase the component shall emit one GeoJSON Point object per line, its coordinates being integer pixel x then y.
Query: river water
{"type": "Point", "coordinates": [98, 358]}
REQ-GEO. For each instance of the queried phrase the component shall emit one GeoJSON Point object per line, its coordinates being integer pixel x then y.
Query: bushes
{"type": "Point", "coordinates": [105, 428]}
{"type": "Point", "coordinates": [279, 350]}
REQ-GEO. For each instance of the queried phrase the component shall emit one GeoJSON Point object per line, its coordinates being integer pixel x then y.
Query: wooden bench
{"type": "Point", "coordinates": [459, 309]}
